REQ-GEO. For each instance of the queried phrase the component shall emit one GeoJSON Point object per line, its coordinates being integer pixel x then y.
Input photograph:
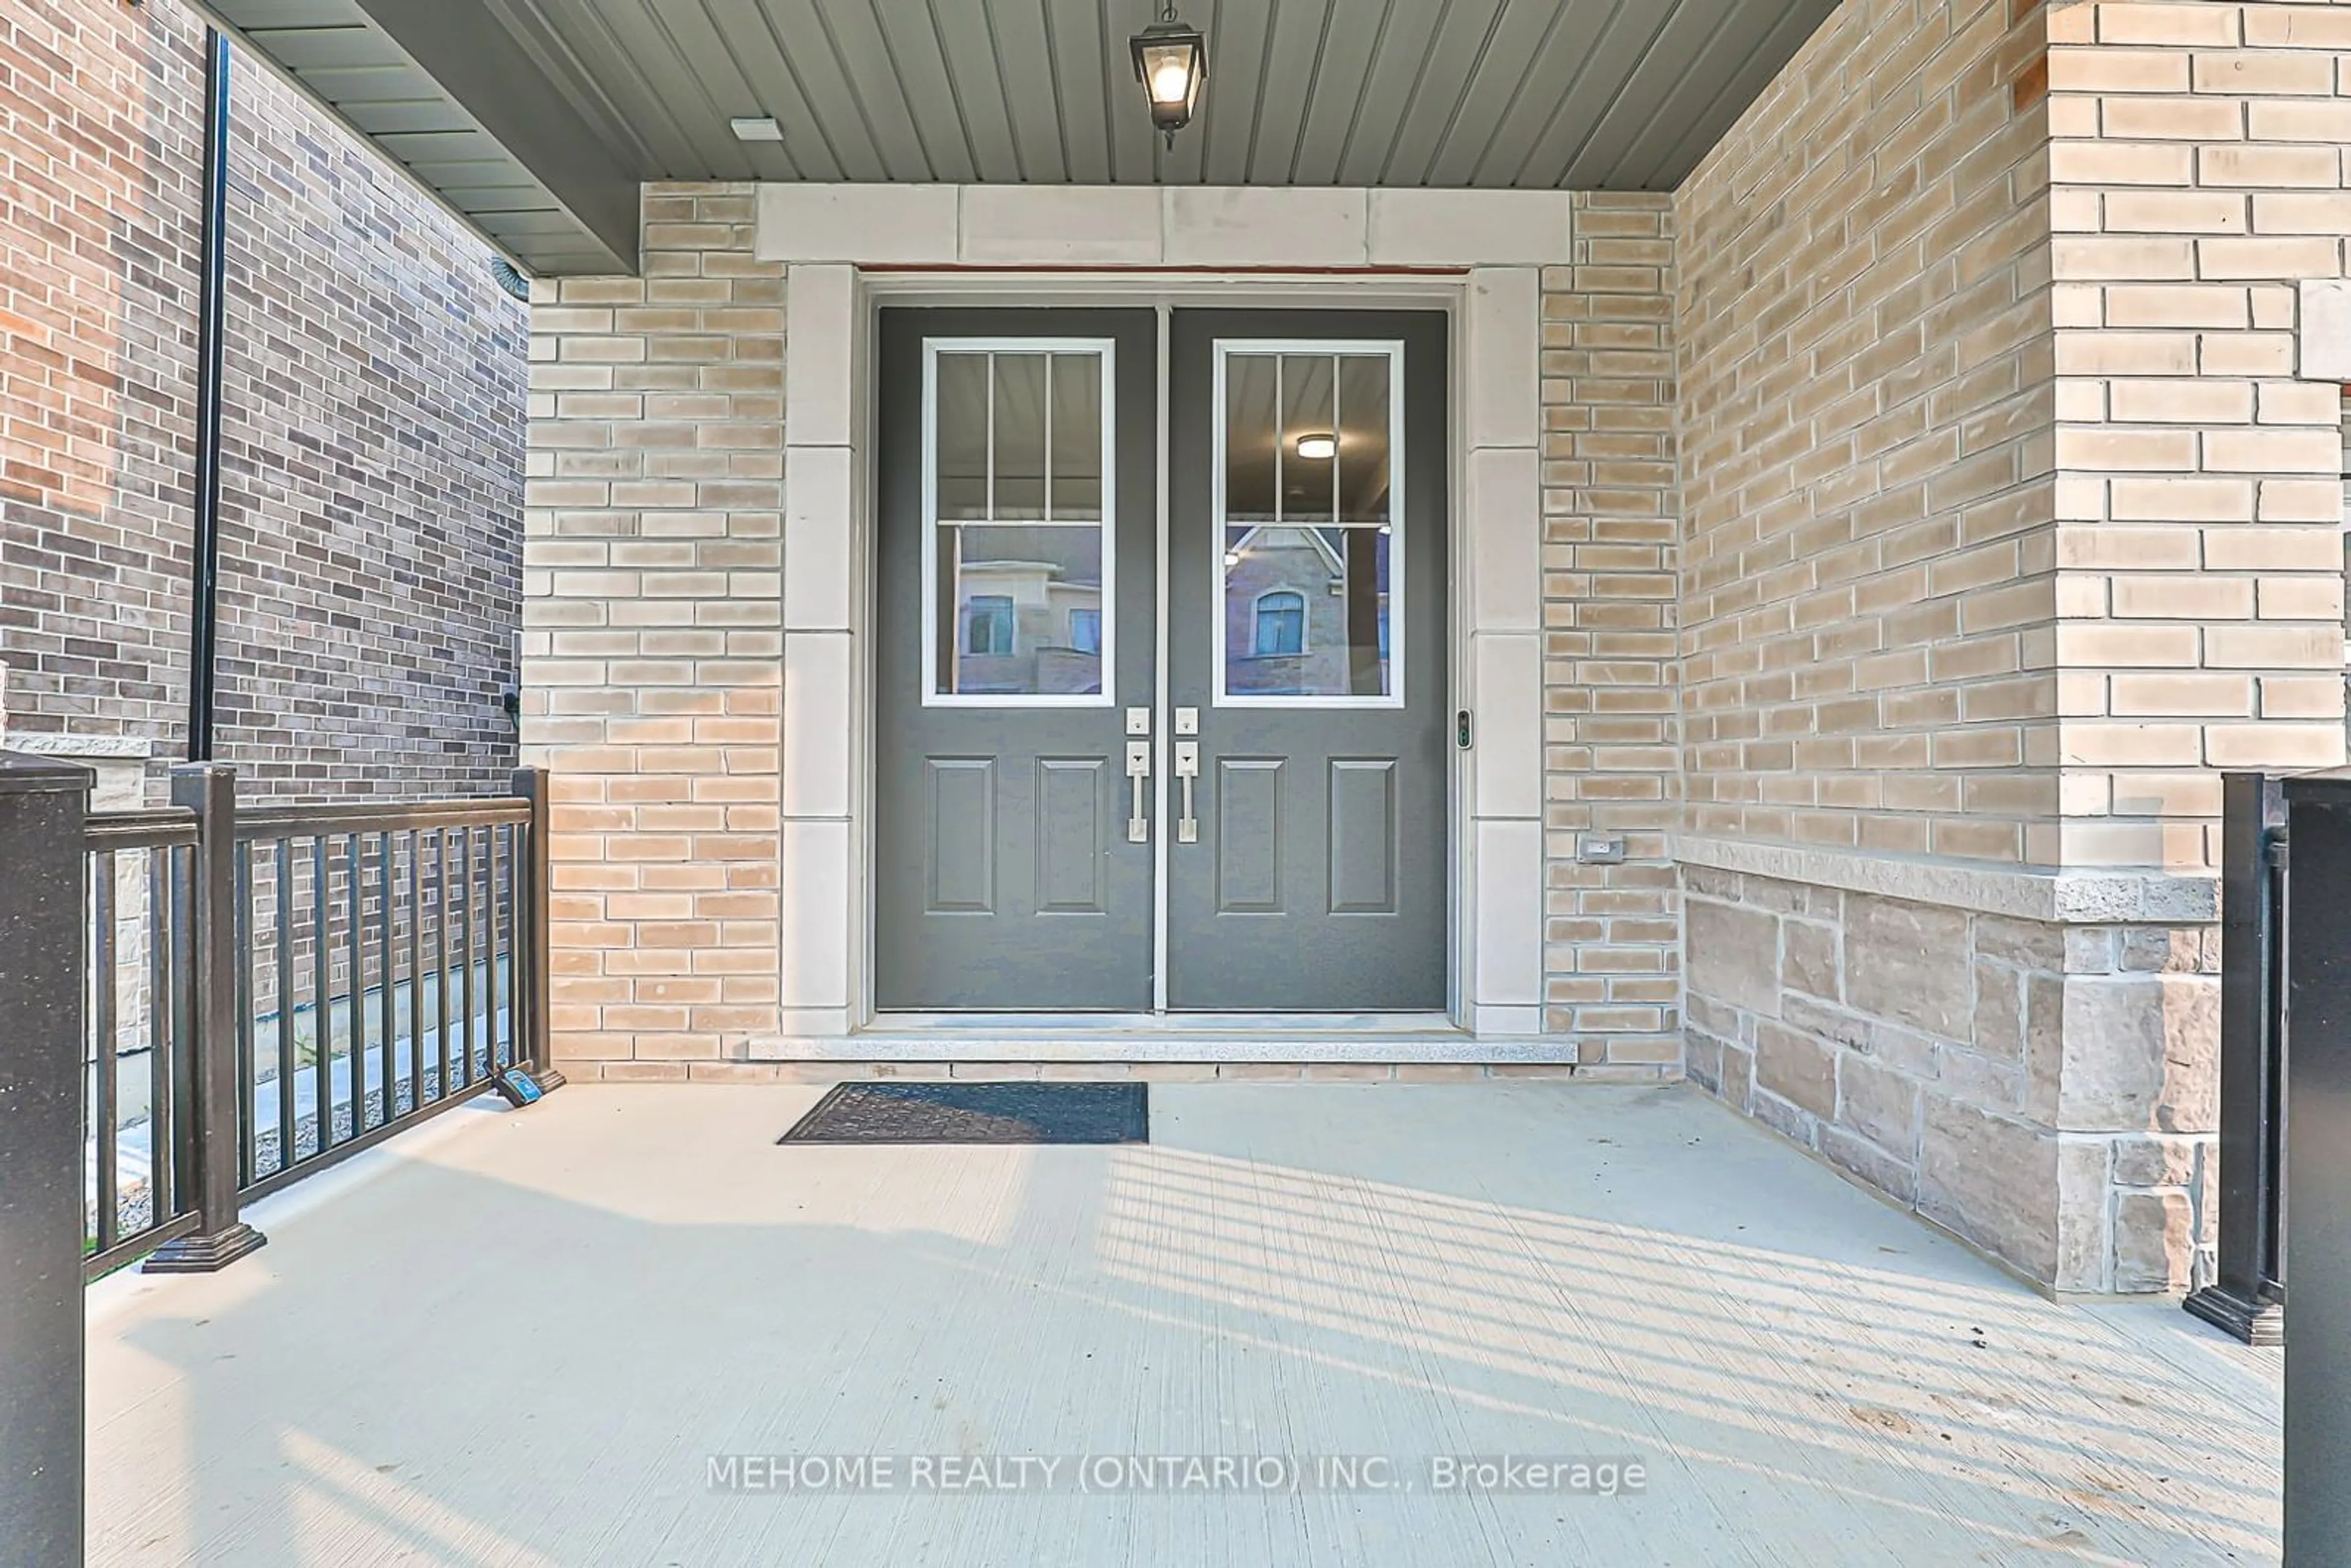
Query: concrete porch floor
{"type": "Point", "coordinates": [519, 1337]}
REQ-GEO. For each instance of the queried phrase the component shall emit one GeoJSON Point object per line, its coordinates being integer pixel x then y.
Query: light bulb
{"type": "Point", "coordinates": [1318, 448]}
{"type": "Point", "coordinates": [1170, 80]}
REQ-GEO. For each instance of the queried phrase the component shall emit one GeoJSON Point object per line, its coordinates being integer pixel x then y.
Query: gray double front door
{"type": "Point", "coordinates": [1090, 721]}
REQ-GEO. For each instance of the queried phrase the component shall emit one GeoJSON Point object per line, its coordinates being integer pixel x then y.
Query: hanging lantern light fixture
{"type": "Point", "coordinates": [1171, 61]}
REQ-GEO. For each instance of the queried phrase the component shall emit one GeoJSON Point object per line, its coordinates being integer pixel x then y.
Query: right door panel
{"type": "Point", "coordinates": [1307, 626]}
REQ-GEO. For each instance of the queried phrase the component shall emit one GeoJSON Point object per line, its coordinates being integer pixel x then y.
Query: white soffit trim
{"type": "Point", "coordinates": [1174, 225]}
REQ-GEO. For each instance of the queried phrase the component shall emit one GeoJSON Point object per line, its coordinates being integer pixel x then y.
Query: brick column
{"type": "Point", "coordinates": [2197, 177]}
{"type": "Point", "coordinates": [652, 649]}
{"type": "Point", "coordinates": [1610, 506]}
{"type": "Point", "coordinates": [2197, 169]}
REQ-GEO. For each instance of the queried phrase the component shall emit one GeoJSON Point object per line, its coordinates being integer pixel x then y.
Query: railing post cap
{"type": "Point", "coordinates": [21, 774]}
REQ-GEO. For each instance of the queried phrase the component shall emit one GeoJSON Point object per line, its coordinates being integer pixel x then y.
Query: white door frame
{"type": "Point", "coordinates": [1495, 829]}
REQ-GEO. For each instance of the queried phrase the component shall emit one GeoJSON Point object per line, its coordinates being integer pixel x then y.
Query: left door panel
{"type": "Point", "coordinates": [1016, 582]}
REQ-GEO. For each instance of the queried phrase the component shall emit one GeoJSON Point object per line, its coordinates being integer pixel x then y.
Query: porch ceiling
{"type": "Point", "coordinates": [536, 119]}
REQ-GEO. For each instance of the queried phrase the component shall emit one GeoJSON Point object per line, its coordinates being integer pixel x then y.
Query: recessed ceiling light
{"type": "Point", "coordinates": [757, 127]}
{"type": "Point", "coordinates": [1318, 448]}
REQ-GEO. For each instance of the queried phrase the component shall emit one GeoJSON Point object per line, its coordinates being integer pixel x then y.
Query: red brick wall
{"type": "Point", "coordinates": [372, 424]}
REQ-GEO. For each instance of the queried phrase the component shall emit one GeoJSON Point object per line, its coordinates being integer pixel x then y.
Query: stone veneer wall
{"type": "Point", "coordinates": [1611, 515]}
{"type": "Point", "coordinates": [372, 426]}
{"type": "Point", "coordinates": [2045, 1091]}
{"type": "Point", "coordinates": [653, 643]}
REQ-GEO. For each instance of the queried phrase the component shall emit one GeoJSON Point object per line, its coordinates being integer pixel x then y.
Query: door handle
{"type": "Point", "coordinates": [1138, 769]}
{"type": "Point", "coordinates": [1187, 768]}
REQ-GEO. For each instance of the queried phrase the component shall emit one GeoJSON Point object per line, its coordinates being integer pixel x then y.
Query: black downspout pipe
{"type": "Point", "coordinates": [211, 311]}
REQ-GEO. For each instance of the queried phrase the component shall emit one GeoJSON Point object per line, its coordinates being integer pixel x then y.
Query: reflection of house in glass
{"type": "Point", "coordinates": [1027, 609]}
{"type": "Point", "coordinates": [1306, 612]}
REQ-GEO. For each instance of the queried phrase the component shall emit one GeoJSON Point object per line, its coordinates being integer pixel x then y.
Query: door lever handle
{"type": "Point", "coordinates": [1187, 770]}
{"type": "Point", "coordinates": [1138, 769]}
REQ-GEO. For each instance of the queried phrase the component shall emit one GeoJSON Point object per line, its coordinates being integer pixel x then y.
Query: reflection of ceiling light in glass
{"type": "Point", "coordinates": [1318, 448]}
{"type": "Point", "coordinates": [1232, 557]}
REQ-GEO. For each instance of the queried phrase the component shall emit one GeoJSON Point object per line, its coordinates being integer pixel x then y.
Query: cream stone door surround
{"type": "Point", "coordinates": [1477, 253]}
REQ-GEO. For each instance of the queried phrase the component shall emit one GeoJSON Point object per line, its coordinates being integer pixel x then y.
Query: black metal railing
{"type": "Point", "coordinates": [141, 898]}
{"type": "Point", "coordinates": [2247, 1296]}
{"type": "Point", "coordinates": [270, 990]}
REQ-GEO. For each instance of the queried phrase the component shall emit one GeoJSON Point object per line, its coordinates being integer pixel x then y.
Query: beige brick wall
{"type": "Point", "coordinates": [1611, 510]}
{"type": "Point", "coordinates": [1866, 361]}
{"type": "Point", "coordinates": [2197, 160]}
{"type": "Point", "coordinates": [651, 641]}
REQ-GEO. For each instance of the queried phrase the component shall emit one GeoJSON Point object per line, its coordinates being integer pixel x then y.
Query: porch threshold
{"type": "Point", "coordinates": [1164, 1037]}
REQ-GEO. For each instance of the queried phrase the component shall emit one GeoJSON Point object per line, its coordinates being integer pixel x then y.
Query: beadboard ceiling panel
{"type": "Point", "coordinates": [537, 117]}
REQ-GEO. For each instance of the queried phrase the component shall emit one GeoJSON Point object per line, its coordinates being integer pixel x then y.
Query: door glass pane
{"type": "Point", "coordinates": [1077, 440]}
{"type": "Point", "coordinates": [1306, 612]}
{"type": "Point", "coordinates": [961, 438]}
{"type": "Point", "coordinates": [1019, 552]}
{"type": "Point", "coordinates": [1252, 425]}
{"type": "Point", "coordinates": [1025, 610]}
{"type": "Point", "coordinates": [1306, 435]}
{"type": "Point", "coordinates": [1362, 427]}
{"type": "Point", "coordinates": [1308, 535]}
{"type": "Point", "coordinates": [1019, 415]}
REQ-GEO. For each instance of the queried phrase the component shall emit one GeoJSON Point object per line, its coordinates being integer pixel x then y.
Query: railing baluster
{"type": "Point", "coordinates": [355, 1011]}
{"type": "Point", "coordinates": [247, 1137]}
{"type": "Point", "coordinates": [322, 995]}
{"type": "Point", "coordinates": [383, 951]}
{"type": "Point", "coordinates": [498, 1062]}
{"type": "Point", "coordinates": [103, 1134]}
{"type": "Point", "coordinates": [286, 1063]}
{"type": "Point", "coordinates": [441, 937]}
{"type": "Point", "coordinates": [416, 968]}
{"type": "Point", "coordinates": [159, 1044]}
{"type": "Point", "coordinates": [465, 924]}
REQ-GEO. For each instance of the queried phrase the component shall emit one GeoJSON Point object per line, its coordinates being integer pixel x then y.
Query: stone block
{"type": "Point", "coordinates": [1902, 963]}
{"type": "Point", "coordinates": [2027, 943]}
{"type": "Point", "coordinates": [1991, 1180]}
{"type": "Point", "coordinates": [1998, 1028]}
{"type": "Point", "coordinates": [2140, 1053]}
{"type": "Point", "coordinates": [1734, 955]}
{"type": "Point", "coordinates": [1879, 1103]}
{"type": "Point", "coordinates": [2157, 1161]}
{"type": "Point", "coordinates": [2155, 1241]}
{"type": "Point", "coordinates": [1895, 1177]}
{"type": "Point", "coordinates": [1797, 1068]}
{"type": "Point", "coordinates": [1808, 960]}
{"type": "Point", "coordinates": [1737, 1084]}
{"type": "Point", "coordinates": [2083, 1228]}
{"type": "Point", "coordinates": [1983, 1082]}
{"type": "Point", "coordinates": [1702, 1059]}
{"type": "Point", "coordinates": [1786, 1118]}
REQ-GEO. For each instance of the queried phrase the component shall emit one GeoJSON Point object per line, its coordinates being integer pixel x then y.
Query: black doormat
{"type": "Point", "coordinates": [977, 1114]}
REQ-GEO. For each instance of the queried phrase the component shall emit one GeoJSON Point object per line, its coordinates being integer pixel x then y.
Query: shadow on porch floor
{"type": "Point", "coordinates": [520, 1337]}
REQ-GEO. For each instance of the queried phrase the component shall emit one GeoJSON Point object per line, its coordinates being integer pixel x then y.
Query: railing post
{"type": "Point", "coordinates": [2242, 1299]}
{"type": "Point", "coordinates": [43, 914]}
{"type": "Point", "coordinates": [534, 977]}
{"type": "Point", "coordinates": [2318, 1173]}
{"type": "Point", "coordinates": [210, 1174]}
